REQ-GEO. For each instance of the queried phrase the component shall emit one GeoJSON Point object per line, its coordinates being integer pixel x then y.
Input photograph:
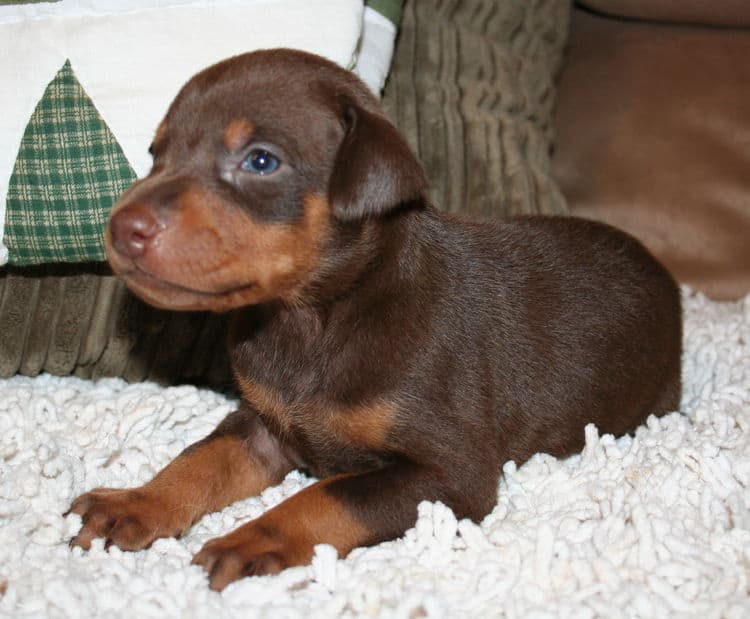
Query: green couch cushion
{"type": "Point", "coordinates": [391, 9]}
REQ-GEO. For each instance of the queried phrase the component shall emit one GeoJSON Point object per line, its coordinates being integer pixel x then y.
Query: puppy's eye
{"type": "Point", "coordinates": [260, 161]}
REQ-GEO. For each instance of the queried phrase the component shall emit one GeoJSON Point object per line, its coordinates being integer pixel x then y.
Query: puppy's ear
{"type": "Point", "coordinates": [375, 170]}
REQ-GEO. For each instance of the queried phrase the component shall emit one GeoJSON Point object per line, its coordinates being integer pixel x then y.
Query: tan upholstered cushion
{"type": "Point", "coordinates": [653, 135]}
{"type": "Point", "coordinates": [696, 12]}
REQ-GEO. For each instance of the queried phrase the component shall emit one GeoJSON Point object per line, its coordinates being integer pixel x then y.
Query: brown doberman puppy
{"type": "Point", "coordinates": [395, 352]}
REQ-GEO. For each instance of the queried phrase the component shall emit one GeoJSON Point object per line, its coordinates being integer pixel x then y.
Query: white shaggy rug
{"type": "Point", "coordinates": [652, 526]}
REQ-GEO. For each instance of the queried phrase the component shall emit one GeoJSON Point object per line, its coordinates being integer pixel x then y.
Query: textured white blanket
{"type": "Point", "coordinates": [652, 526]}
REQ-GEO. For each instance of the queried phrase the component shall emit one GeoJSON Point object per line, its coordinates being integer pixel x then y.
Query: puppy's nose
{"type": "Point", "coordinates": [132, 229]}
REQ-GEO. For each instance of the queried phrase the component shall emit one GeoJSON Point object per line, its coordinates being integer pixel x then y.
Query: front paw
{"type": "Point", "coordinates": [130, 519]}
{"type": "Point", "coordinates": [252, 550]}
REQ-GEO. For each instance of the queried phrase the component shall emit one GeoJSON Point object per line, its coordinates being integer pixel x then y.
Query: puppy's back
{"type": "Point", "coordinates": [585, 327]}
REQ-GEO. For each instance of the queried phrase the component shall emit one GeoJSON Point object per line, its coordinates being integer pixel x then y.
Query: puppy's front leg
{"type": "Point", "coordinates": [238, 459]}
{"type": "Point", "coordinates": [346, 511]}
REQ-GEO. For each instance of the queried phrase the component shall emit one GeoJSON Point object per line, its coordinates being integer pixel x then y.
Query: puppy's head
{"type": "Point", "coordinates": [258, 163]}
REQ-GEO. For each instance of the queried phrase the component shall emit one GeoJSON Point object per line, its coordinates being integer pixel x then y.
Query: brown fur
{"type": "Point", "coordinates": [160, 135]}
{"type": "Point", "coordinates": [395, 352]}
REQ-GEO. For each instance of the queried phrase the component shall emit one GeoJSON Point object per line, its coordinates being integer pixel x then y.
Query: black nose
{"type": "Point", "coordinates": [132, 229]}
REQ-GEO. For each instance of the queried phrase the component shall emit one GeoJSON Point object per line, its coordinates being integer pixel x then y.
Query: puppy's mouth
{"type": "Point", "coordinates": [139, 275]}
{"type": "Point", "coordinates": [160, 290]}
{"type": "Point", "coordinates": [167, 294]}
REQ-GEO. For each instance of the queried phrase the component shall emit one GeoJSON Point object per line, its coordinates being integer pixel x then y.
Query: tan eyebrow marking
{"type": "Point", "coordinates": [237, 133]}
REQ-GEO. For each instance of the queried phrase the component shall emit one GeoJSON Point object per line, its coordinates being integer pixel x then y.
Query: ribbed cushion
{"type": "Point", "coordinates": [67, 319]}
{"type": "Point", "coordinates": [472, 88]}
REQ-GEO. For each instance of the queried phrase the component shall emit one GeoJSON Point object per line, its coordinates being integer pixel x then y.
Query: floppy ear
{"type": "Point", "coordinates": [375, 170]}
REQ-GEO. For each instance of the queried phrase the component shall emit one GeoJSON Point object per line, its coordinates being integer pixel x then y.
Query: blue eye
{"type": "Point", "coordinates": [260, 161]}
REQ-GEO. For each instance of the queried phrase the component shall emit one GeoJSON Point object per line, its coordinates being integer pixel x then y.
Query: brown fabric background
{"type": "Point", "coordinates": [696, 12]}
{"type": "Point", "coordinates": [472, 88]}
{"type": "Point", "coordinates": [653, 125]}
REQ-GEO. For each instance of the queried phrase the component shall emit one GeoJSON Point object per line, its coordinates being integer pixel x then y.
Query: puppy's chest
{"type": "Point", "coordinates": [327, 436]}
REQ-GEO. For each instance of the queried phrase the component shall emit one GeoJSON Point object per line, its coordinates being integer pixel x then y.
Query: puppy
{"type": "Point", "coordinates": [394, 352]}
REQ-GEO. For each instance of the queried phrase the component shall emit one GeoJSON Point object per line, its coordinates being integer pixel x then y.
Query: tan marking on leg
{"type": "Point", "coordinates": [313, 517]}
{"type": "Point", "coordinates": [364, 425]}
{"type": "Point", "coordinates": [284, 536]}
{"type": "Point", "coordinates": [211, 476]}
{"type": "Point", "coordinates": [267, 401]}
{"type": "Point", "coordinates": [202, 480]}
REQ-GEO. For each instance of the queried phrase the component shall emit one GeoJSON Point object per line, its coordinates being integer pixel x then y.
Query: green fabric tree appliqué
{"type": "Point", "coordinates": [68, 174]}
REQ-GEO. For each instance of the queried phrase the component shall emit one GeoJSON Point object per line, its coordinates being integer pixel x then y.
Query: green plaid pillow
{"type": "Point", "coordinates": [68, 174]}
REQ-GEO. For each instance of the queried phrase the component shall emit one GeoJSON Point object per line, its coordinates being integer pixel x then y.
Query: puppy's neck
{"type": "Point", "coordinates": [367, 265]}
{"type": "Point", "coordinates": [378, 272]}
{"type": "Point", "coordinates": [378, 255]}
